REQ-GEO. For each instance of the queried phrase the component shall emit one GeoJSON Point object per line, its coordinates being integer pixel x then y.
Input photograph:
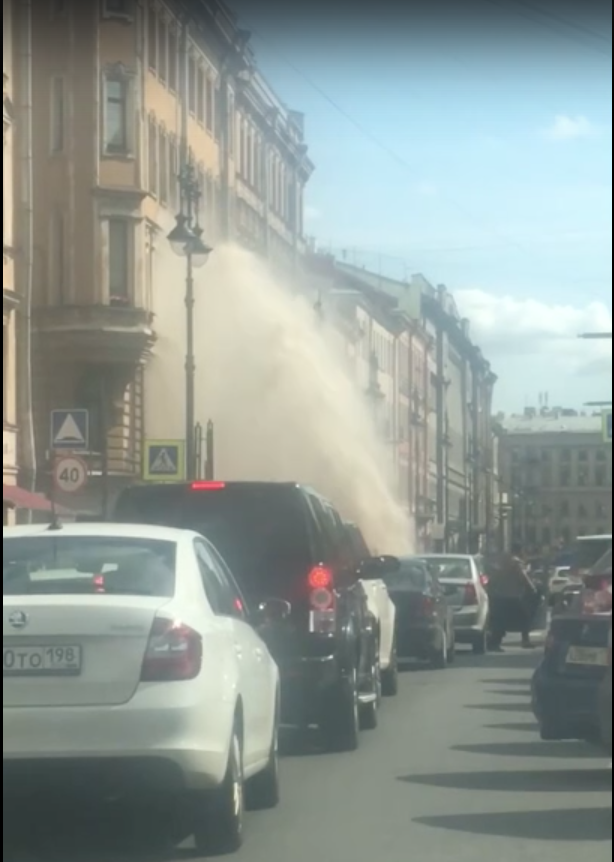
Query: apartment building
{"type": "Point", "coordinates": [122, 100]}
{"type": "Point", "coordinates": [9, 296]}
{"type": "Point", "coordinates": [557, 469]}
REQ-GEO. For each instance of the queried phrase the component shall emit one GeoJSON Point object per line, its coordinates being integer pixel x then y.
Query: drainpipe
{"type": "Point", "coordinates": [25, 258]}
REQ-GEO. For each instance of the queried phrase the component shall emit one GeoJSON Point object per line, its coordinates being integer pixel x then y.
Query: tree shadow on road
{"type": "Point", "coordinates": [532, 749]}
{"type": "Point", "coordinates": [575, 825]}
{"type": "Point", "coordinates": [502, 707]}
{"type": "Point", "coordinates": [521, 682]}
{"type": "Point", "coordinates": [518, 781]}
{"type": "Point", "coordinates": [518, 727]}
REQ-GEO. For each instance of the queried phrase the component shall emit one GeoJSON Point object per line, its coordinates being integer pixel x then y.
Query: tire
{"type": "Point", "coordinates": [480, 644]}
{"type": "Point", "coordinates": [390, 676]}
{"type": "Point", "coordinates": [369, 712]}
{"type": "Point", "coordinates": [550, 732]}
{"type": "Point", "coordinates": [340, 724]}
{"type": "Point", "coordinates": [263, 791]}
{"type": "Point", "coordinates": [220, 815]}
{"type": "Point", "coordinates": [439, 660]}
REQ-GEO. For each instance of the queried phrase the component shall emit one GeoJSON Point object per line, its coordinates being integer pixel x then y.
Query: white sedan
{"type": "Point", "coordinates": [128, 653]}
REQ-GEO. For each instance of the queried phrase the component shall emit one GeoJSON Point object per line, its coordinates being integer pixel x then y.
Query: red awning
{"type": "Point", "coordinates": [19, 498]}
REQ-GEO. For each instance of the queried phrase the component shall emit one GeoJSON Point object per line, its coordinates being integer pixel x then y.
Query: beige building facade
{"type": "Point", "coordinates": [9, 295]}
{"type": "Point", "coordinates": [121, 100]}
{"type": "Point", "coordinates": [557, 470]}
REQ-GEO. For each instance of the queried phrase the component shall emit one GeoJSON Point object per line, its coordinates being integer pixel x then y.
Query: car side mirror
{"type": "Point", "coordinates": [375, 568]}
{"type": "Point", "coordinates": [273, 611]}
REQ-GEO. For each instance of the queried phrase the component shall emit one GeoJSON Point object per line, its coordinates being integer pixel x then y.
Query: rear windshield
{"type": "Point", "coordinates": [70, 565]}
{"type": "Point", "coordinates": [411, 577]}
{"type": "Point", "coordinates": [590, 550]}
{"type": "Point", "coordinates": [260, 531]}
{"type": "Point", "coordinates": [450, 568]}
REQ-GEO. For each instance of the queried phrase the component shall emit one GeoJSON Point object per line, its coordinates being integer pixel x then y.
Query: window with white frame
{"type": "Point", "coordinates": [119, 119]}
{"type": "Point", "coordinates": [152, 153]}
{"type": "Point", "coordinates": [120, 250]}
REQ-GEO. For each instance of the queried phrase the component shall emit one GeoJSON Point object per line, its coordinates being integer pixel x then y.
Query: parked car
{"type": "Point", "coordinates": [561, 580]}
{"type": "Point", "coordinates": [464, 582]}
{"type": "Point", "coordinates": [568, 680]}
{"type": "Point", "coordinates": [132, 669]}
{"type": "Point", "coordinates": [424, 618]}
{"type": "Point", "coordinates": [605, 701]}
{"type": "Point", "coordinates": [285, 540]}
{"type": "Point", "coordinates": [380, 605]}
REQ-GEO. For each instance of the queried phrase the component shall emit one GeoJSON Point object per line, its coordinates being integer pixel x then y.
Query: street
{"type": "Point", "coordinates": [456, 771]}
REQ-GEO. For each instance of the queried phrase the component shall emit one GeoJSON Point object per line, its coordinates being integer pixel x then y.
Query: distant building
{"type": "Point", "coordinates": [557, 470]}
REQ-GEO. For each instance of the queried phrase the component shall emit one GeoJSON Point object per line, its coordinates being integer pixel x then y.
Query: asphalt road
{"type": "Point", "coordinates": [455, 772]}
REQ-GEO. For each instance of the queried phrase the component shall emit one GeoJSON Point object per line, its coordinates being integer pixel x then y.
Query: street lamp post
{"type": "Point", "coordinates": [186, 241]}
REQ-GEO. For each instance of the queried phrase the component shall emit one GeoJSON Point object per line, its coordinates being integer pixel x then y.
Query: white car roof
{"type": "Point", "coordinates": [116, 531]}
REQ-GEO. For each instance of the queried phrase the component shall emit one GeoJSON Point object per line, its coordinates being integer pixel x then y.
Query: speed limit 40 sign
{"type": "Point", "coordinates": [70, 474]}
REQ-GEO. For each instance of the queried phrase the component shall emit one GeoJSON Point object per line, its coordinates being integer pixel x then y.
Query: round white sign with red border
{"type": "Point", "coordinates": [70, 474]}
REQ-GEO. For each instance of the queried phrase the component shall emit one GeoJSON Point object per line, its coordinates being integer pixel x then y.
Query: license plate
{"type": "Point", "coordinates": [592, 656]}
{"type": "Point", "coordinates": [41, 661]}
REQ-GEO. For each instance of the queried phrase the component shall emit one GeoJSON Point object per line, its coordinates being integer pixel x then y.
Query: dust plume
{"type": "Point", "coordinates": [283, 405]}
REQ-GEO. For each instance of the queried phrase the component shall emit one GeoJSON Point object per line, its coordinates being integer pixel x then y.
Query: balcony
{"type": "Point", "coordinates": [110, 334]}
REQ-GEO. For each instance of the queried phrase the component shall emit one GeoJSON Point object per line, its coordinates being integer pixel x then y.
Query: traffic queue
{"type": "Point", "coordinates": [153, 661]}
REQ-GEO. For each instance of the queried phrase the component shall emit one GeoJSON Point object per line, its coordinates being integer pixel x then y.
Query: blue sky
{"type": "Point", "coordinates": [479, 155]}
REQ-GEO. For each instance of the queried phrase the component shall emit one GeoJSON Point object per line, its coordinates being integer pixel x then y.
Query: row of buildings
{"type": "Point", "coordinates": [101, 111]}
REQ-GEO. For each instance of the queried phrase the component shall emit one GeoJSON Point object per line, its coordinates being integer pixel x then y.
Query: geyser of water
{"type": "Point", "coordinates": [283, 405]}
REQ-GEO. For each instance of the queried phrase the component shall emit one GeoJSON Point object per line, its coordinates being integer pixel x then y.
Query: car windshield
{"type": "Point", "coordinates": [73, 565]}
{"type": "Point", "coordinates": [450, 568]}
{"type": "Point", "coordinates": [411, 577]}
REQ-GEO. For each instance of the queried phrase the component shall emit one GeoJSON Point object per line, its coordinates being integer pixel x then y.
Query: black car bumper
{"type": "Point", "coordinates": [418, 640]}
{"type": "Point", "coordinates": [306, 686]}
{"type": "Point", "coordinates": [569, 704]}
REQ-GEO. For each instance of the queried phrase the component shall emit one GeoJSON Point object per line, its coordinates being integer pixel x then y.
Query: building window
{"type": "Point", "coordinates": [162, 51]}
{"type": "Point", "coordinates": [152, 153]}
{"type": "Point", "coordinates": [120, 238]}
{"type": "Point", "coordinates": [152, 37]}
{"type": "Point", "coordinates": [118, 131]}
{"type": "Point", "coordinates": [117, 9]}
{"type": "Point", "coordinates": [58, 115]}
{"type": "Point", "coordinates": [201, 96]}
{"type": "Point", "coordinates": [192, 85]}
{"type": "Point", "coordinates": [231, 124]}
{"type": "Point", "coordinates": [173, 60]}
{"type": "Point", "coordinates": [163, 159]}
{"type": "Point", "coordinates": [210, 107]}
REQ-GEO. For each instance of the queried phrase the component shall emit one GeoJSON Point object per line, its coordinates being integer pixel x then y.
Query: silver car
{"type": "Point", "coordinates": [464, 583]}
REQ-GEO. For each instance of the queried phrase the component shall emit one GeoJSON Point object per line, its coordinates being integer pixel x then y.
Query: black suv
{"type": "Point", "coordinates": [283, 541]}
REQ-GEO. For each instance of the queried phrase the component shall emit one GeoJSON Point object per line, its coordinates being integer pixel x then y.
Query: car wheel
{"type": "Point", "coordinates": [480, 644]}
{"type": "Point", "coordinates": [390, 676]}
{"type": "Point", "coordinates": [263, 790]}
{"type": "Point", "coordinates": [220, 826]}
{"type": "Point", "coordinates": [452, 650]}
{"type": "Point", "coordinates": [369, 712]}
{"type": "Point", "coordinates": [440, 657]}
{"type": "Point", "coordinates": [341, 722]}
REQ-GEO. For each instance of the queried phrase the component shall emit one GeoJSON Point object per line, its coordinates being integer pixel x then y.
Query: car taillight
{"type": "Point", "coordinates": [484, 580]}
{"type": "Point", "coordinates": [323, 617]}
{"type": "Point", "coordinates": [174, 653]}
{"type": "Point", "coordinates": [471, 594]}
{"type": "Point", "coordinates": [98, 582]}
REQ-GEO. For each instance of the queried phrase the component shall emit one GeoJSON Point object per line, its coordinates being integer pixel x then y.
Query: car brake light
{"type": "Point", "coordinates": [471, 594]}
{"type": "Point", "coordinates": [208, 486]}
{"type": "Point", "coordinates": [174, 653]}
{"type": "Point", "coordinates": [320, 578]}
{"type": "Point", "coordinates": [323, 617]}
{"type": "Point", "coordinates": [484, 580]}
{"type": "Point", "coordinates": [98, 582]}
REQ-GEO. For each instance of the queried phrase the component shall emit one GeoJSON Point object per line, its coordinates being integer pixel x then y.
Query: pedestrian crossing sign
{"type": "Point", "coordinates": [164, 461]}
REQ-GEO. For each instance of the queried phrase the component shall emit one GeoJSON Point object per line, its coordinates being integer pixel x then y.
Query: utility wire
{"type": "Point", "coordinates": [483, 224]}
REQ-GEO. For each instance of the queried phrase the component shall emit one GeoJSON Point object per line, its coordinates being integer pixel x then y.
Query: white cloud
{"type": "Point", "coordinates": [567, 128]}
{"type": "Point", "coordinates": [509, 329]}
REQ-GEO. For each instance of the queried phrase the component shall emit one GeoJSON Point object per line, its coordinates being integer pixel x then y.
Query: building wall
{"type": "Point", "coordinates": [559, 474]}
{"type": "Point", "coordinates": [109, 320]}
{"type": "Point", "coordinates": [9, 366]}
